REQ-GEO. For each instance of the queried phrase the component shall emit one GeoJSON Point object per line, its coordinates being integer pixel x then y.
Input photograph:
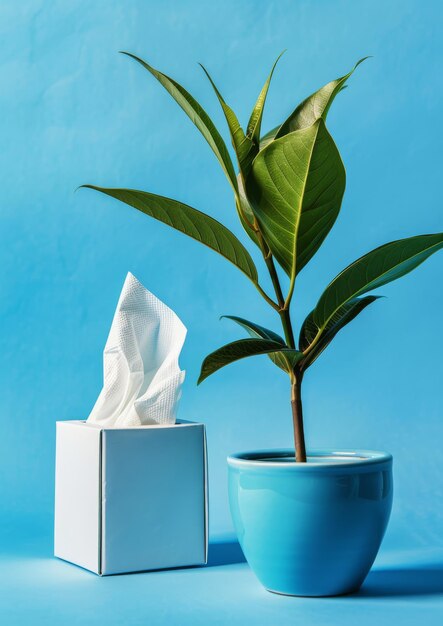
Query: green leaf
{"type": "Point", "coordinates": [377, 268]}
{"type": "Point", "coordinates": [241, 349]}
{"type": "Point", "coordinates": [189, 221]}
{"type": "Point", "coordinates": [245, 151]}
{"type": "Point", "coordinates": [243, 146]}
{"type": "Point", "coordinates": [245, 211]}
{"type": "Point", "coordinates": [254, 124]}
{"type": "Point", "coordinates": [198, 116]}
{"type": "Point", "coordinates": [315, 106]}
{"type": "Point", "coordinates": [257, 331]}
{"type": "Point", "coordinates": [342, 317]}
{"type": "Point", "coordinates": [296, 186]}
{"type": "Point", "coordinates": [268, 137]}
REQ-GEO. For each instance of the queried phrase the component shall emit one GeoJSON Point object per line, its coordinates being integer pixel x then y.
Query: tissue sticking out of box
{"type": "Point", "coordinates": [141, 376]}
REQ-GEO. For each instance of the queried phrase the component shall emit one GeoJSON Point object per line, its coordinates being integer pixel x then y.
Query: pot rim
{"type": "Point", "coordinates": [341, 457]}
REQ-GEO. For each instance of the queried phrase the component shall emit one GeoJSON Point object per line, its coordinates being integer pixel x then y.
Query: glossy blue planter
{"type": "Point", "coordinates": [310, 529]}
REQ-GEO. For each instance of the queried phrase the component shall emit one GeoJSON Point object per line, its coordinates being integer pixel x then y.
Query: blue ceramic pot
{"type": "Point", "coordinates": [310, 529]}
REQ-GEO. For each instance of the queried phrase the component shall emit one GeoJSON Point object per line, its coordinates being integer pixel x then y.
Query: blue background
{"type": "Point", "coordinates": [73, 111]}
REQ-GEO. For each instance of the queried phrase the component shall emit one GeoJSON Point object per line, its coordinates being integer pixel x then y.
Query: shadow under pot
{"type": "Point", "coordinates": [310, 529]}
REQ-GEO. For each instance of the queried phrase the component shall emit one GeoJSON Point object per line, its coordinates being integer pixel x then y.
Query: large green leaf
{"type": "Point", "coordinates": [189, 221]}
{"type": "Point", "coordinates": [254, 124]}
{"type": "Point", "coordinates": [315, 106]}
{"type": "Point", "coordinates": [198, 116]}
{"type": "Point", "coordinates": [378, 267]}
{"type": "Point", "coordinates": [239, 350]}
{"type": "Point", "coordinates": [257, 331]}
{"type": "Point", "coordinates": [296, 186]}
{"type": "Point", "coordinates": [342, 317]}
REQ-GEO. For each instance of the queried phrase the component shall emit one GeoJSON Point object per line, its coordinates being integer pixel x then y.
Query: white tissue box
{"type": "Point", "coordinates": [131, 499]}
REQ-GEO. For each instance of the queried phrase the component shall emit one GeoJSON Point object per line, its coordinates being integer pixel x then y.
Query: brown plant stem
{"type": "Point", "coordinates": [297, 418]}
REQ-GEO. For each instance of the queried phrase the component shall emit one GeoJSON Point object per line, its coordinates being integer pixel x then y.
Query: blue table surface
{"type": "Point", "coordinates": [404, 587]}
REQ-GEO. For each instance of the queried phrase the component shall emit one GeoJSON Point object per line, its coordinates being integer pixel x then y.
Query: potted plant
{"type": "Point", "coordinates": [310, 523]}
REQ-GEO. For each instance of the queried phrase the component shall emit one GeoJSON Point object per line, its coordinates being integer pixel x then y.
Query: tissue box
{"type": "Point", "coordinates": [131, 499]}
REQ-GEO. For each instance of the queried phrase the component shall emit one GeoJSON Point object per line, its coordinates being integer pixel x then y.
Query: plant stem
{"type": "Point", "coordinates": [295, 375]}
{"type": "Point", "coordinates": [287, 327]}
{"type": "Point", "coordinates": [297, 418]}
{"type": "Point", "coordinates": [283, 309]}
{"type": "Point", "coordinates": [274, 277]}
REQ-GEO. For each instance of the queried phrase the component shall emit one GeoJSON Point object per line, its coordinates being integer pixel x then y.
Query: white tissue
{"type": "Point", "coordinates": [142, 379]}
